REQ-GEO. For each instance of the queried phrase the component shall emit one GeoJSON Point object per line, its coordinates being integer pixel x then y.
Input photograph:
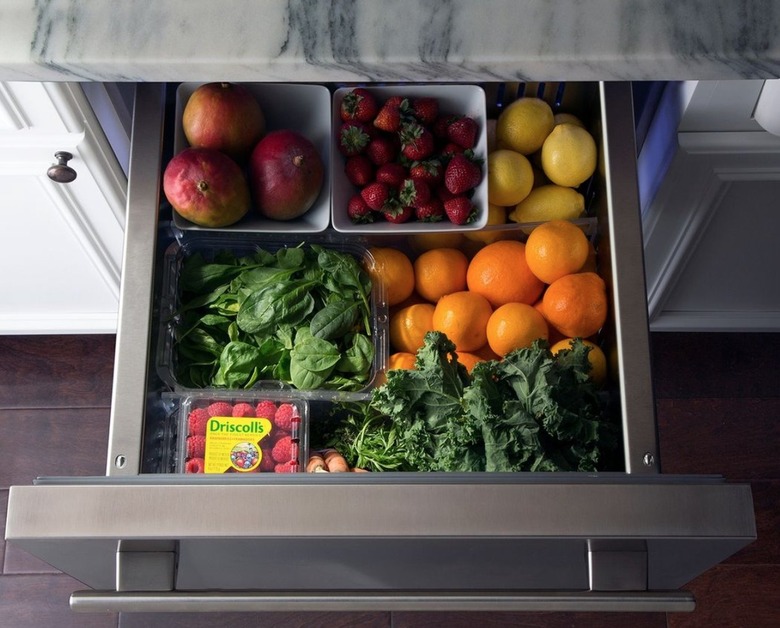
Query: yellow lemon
{"type": "Point", "coordinates": [549, 202]}
{"type": "Point", "coordinates": [570, 118]}
{"type": "Point", "coordinates": [496, 216]}
{"type": "Point", "coordinates": [524, 125]}
{"type": "Point", "coordinates": [510, 177]}
{"type": "Point", "coordinates": [569, 155]}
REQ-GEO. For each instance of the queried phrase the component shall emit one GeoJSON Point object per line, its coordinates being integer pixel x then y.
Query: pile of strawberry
{"type": "Point", "coordinates": [407, 159]}
{"type": "Point", "coordinates": [279, 449]}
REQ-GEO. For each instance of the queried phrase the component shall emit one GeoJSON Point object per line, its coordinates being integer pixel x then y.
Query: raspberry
{"type": "Point", "coordinates": [266, 409]}
{"type": "Point", "coordinates": [196, 421]}
{"type": "Point", "coordinates": [282, 451]}
{"type": "Point", "coordinates": [194, 465]}
{"type": "Point", "coordinates": [220, 408]}
{"type": "Point", "coordinates": [286, 467]}
{"type": "Point", "coordinates": [196, 446]}
{"type": "Point", "coordinates": [285, 415]}
{"type": "Point", "coordinates": [243, 409]}
{"type": "Point", "coordinates": [266, 461]}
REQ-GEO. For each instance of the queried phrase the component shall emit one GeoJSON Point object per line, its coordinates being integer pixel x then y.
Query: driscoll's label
{"type": "Point", "coordinates": [233, 443]}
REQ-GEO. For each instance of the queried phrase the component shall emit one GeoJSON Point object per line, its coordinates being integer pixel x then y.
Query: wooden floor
{"type": "Point", "coordinates": [718, 406]}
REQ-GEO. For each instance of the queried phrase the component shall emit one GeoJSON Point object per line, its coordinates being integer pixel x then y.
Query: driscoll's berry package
{"type": "Point", "coordinates": [257, 435]}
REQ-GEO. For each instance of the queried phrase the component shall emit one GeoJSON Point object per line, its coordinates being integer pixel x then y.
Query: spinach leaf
{"type": "Point", "coordinates": [335, 319]}
{"type": "Point", "coordinates": [278, 303]}
{"type": "Point", "coordinates": [238, 365]}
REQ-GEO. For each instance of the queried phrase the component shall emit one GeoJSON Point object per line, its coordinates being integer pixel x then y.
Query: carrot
{"type": "Point", "coordinates": [335, 462]}
{"type": "Point", "coordinates": [359, 470]}
{"type": "Point", "coordinates": [316, 463]}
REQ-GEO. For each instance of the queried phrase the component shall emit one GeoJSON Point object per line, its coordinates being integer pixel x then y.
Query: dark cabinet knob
{"type": "Point", "coordinates": [61, 172]}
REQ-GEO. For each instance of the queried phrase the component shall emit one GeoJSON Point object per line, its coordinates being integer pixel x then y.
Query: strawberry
{"type": "Point", "coordinates": [440, 125]}
{"type": "Point", "coordinates": [425, 109]}
{"type": "Point", "coordinates": [382, 149]}
{"type": "Point", "coordinates": [432, 211]}
{"type": "Point", "coordinates": [450, 149]}
{"type": "Point", "coordinates": [376, 195]}
{"type": "Point", "coordinates": [462, 174]}
{"type": "Point", "coordinates": [389, 117]}
{"type": "Point", "coordinates": [443, 194]}
{"type": "Point", "coordinates": [417, 142]}
{"type": "Point", "coordinates": [398, 214]}
{"type": "Point", "coordinates": [391, 173]}
{"type": "Point", "coordinates": [353, 138]}
{"type": "Point", "coordinates": [358, 210]}
{"type": "Point", "coordinates": [430, 171]}
{"type": "Point", "coordinates": [459, 210]}
{"type": "Point", "coordinates": [463, 132]}
{"type": "Point", "coordinates": [359, 170]}
{"type": "Point", "coordinates": [414, 192]}
{"type": "Point", "coordinates": [359, 105]}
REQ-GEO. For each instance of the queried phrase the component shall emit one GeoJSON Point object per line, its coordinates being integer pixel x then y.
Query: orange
{"type": "Point", "coordinates": [409, 325]}
{"type": "Point", "coordinates": [556, 248]}
{"type": "Point", "coordinates": [553, 335]}
{"type": "Point", "coordinates": [462, 317]}
{"type": "Point", "coordinates": [576, 304]}
{"type": "Point", "coordinates": [486, 353]}
{"type": "Point", "coordinates": [427, 240]}
{"type": "Point", "coordinates": [596, 357]}
{"type": "Point", "coordinates": [499, 272]}
{"type": "Point", "coordinates": [591, 263]}
{"type": "Point", "coordinates": [440, 271]}
{"type": "Point", "coordinates": [400, 360]}
{"type": "Point", "coordinates": [392, 270]}
{"type": "Point", "coordinates": [514, 326]}
{"type": "Point", "coordinates": [469, 359]}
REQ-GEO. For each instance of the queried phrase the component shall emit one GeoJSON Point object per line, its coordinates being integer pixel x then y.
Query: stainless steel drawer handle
{"type": "Point", "coordinates": [61, 172]}
{"type": "Point", "coordinates": [222, 602]}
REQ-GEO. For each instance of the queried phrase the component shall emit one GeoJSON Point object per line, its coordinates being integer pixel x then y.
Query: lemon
{"type": "Point", "coordinates": [570, 118]}
{"type": "Point", "coordinates": [510, 177]}
{"type": "Point", "coordinates": [569, 155]}
{"type": "Point", "coordinates": [549, 202]}
{"type": "Point", "coordinates": [524, 125]}
{"type": "Point", "coordinates": [496, 216]}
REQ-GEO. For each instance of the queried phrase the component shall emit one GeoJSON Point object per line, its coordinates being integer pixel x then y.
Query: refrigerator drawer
{"type": "Point", "coordinates": [438, 541]}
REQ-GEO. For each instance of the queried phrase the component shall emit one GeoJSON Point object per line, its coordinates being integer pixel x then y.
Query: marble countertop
{"type": "Point", "coordinates": [388, 40]}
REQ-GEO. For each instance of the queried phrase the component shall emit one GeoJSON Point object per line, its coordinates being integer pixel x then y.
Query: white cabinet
{"type": "Point", "coordinates": [60, 244]}
{"type": "Point", "coordinates": [711, 223]}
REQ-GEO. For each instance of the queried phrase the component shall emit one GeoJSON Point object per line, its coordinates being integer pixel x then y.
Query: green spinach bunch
{"type": "Point", "coordinates": [300, 315]}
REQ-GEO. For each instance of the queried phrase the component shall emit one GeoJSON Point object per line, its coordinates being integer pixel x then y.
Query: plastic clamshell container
{"type": "Point", "coordinates": [468, 100]}
{"type": "Point", "coordinates": [303, 108]}
{"type": "Point", "coordinates": [210, 245]}
{"type": "Point", "coordinates": [242, 432]}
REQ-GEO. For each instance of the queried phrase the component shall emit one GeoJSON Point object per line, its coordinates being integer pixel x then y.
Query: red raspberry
{"type": "Point", "coordinates": [194, 465]}
{"type": "Point", "coordinates": [196, 446]}
{"type": "Point", "coordinates": [266, 409]}
{"type": "Point", "coordinates": [220, 408]}
{"type": "Point", "coordinates": [266, 461]}
{"type": "Point", "coordinates": [283, 450]}
{"type": "Point", "coordinates": [285, 416]}
{"type": "Point", "coordinates": [243, 409]}
{"type": "Point", "coordinates": [286, 467]}
{"type": "Point", "coordinates": [196, 421]}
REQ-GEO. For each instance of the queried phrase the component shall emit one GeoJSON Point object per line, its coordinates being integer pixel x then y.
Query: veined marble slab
{"type": "Point", "coordinates": [388, 40]}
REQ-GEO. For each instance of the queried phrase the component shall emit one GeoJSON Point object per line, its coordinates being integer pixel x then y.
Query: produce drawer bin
{"type": "Point", "coordinates": [439, 541]}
